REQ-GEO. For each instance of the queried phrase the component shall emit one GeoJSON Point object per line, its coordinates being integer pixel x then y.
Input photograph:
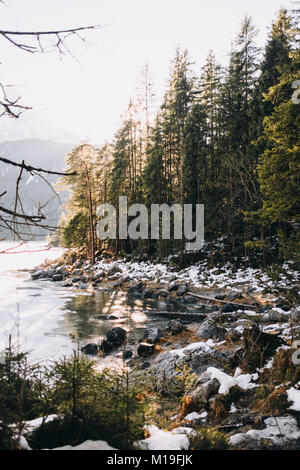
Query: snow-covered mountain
{"type": "Point", "coordinates": [33, 190]}
{"type": "Point", "coordinates": [32, 125]}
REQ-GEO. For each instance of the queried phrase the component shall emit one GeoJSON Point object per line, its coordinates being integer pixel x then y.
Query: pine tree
{"type": "Point", "coordinates": [279, 169]}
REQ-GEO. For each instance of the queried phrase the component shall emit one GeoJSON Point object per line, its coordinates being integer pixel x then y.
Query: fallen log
{"type": "Point", "coordinates": [166, 313]}
{"type": "Point", "coordinates": [212, 299]}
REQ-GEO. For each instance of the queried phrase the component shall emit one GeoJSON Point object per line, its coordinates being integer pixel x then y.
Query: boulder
{"type": "Point", "coordinates": [234, 294]}
{"type": "Point", "coordinates": [174, 327]}
{"type": "Point", "coordinates": [182, 289]}
{"type": "Point", "coordinates": [136, 288]}
{"type": "Point", "coordinates": [145, 365]}
{"type": "Point", "coordinates": [208, 330]}
{"type": "Point", "coordinates": [152, 335]}
{"type": "Point", "coordinates": [203, 392]}
{"type": "Point", "coordinates": [127, 354]}
{"type": "Point", "coordinates": [116, 336]}
{"type": "Point", "coordinates": [173, 286]}
{"type": "Point", "coordinates": [37, 275]}
{"type": "Point", "coordinates": [57, 277]}
{"type": "Point", "coordinates": [295, 315]}
{"type": "Point", "coordinates": [91, 349]}
{"type": "Point", "coordinates": [145, 349]}
{"type": "Point", "coordinates": [106, 347]}
{"type": "Point", "coordinates": [113, 270]}
{"type": "Point", "coordinates": [275, 317]}
{"type": "Point", "coordinates": [227, 308]}
{"type": "Point", "coordinates": [98, 276]}
{"type": "Point", "coordinates": [220, 297]}
{"type": "Point", "coordinates": [147, 293]}
{"type": "Point", "coordinates": [77, 272]}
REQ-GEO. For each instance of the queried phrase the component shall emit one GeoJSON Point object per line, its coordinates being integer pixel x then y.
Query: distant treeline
{"type": "Point", "coordinates": [228, 139]}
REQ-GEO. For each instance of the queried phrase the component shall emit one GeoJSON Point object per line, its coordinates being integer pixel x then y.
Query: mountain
{"type": "Point", "coordinates": [33, 190]}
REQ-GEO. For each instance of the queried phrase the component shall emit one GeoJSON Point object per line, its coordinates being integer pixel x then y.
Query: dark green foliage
{"type": "Point", "coordinates": [75, 233]}
{"type": "Point", "coordinates": [20, 399]}
{"type": "Point", "coordinates": [208, 439]}
{"type": "Point", "coordinates": [108, 406]}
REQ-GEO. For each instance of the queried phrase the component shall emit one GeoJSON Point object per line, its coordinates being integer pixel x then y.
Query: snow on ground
{"type": "Point", "coordinates": [278, 431]}
{"type": "Point", "coordinates": [192, 416]}
{"type": "Point", "coordinates": [164, 440]}
{"type": "Point", "coordinates": [36, 423]}
{"type": "Point", "coordinates": [199, 274]}
{"type": "Point", "coordinates": [87, 445]}
{"type": "Point", "coordinates": [198, 347]}
{"type": "Point", "coordinates": [294, 396]}
{"type": "Point", "coordinates": [243, 381]}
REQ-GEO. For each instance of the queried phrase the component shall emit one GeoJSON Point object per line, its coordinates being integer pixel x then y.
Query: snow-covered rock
{"type": "Point", "coordinates": [243, 381]}
{"type": "Point", "coordinates": [280, 432]}
{"type": "Point", "coordinates": [164, 440]}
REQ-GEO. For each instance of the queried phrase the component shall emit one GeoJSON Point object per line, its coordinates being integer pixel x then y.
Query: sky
{"type": "Point", "coordinates": [82, 100]}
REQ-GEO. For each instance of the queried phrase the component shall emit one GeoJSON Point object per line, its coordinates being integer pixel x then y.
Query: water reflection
{"type": "Point", "coordinates": [91, 317]}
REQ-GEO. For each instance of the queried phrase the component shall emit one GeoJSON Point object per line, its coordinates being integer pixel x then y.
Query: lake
{"type": "Point", "coordinates": [48, 321]}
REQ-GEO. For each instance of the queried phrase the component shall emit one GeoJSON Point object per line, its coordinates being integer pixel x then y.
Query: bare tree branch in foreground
{"type": "Point", "coordinates": [32, 42]}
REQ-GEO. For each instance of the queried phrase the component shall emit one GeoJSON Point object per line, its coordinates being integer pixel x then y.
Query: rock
{"type": "Point", "coordinates": [49, 274]}
{"type": "Point", "coordinates": [163, 293]}
{"type": "Point", "coordinates": [77, 272]}
{"type": "Point", "coordinates": [174, 327]}
{"type": "Point", "coordinates": [136, 288]}
{"type": "Point", "coordinates": [57, 277]}
{"type": "Point", "coordinates": [37, 275]}
{"type": "Point", "coordinates": [282, 303]}
{"type": "Point", "coordinates": [106, 347]}
{"type": "Point", "coordinates": [173, 286]}
{"type": "Point", "coordinates": [83, 279]}
{"type": "Point", "coordinates": [116, 336]}
{"type": "Point", "coordinates": [99, 275]}
{"type": "Point", "coordinates": [145, 365]}
{"type": "Point", "coordinates": [67, 284]}
{"type": "Point", "coordinates": [208, 330]}
{"type": "Point", "coordinates": [62, 270]}
{"type": "Point", "coordinates": [113, 270]}
{"type": "Point", "coordinates": [281, 432]}
{"type": "Point", "coordinates": [295, 315]}
{"type": "Point", "coordinates": [127, 354]}
{"type": "Point", "coordinates": [182, 289]}
{"type": "Point", "coordinates": [75, 279]}
{"type": "Point", "coordinates": [227, 308]}
{"type": "Point", "coordinates": [251, 289]}
{"type": "Point", "coordinates": [146, 293]}
{"type": "Point", "coordinates": [234, 294]}
{"type": "Point", "coordinates": [90, 348]}
{"type": "Point", "coordinates": [274, 317]}
{"type": "Point", "coordinates": [112, 317]}
{"type": "Point", "coordinates": [220, 297]}
{"type": "Point", "coordinates": [203, 392]}
{"type": "Point", "coordinates": [152, 335]}
{"type": "Point", "coordinates": [145, 349]}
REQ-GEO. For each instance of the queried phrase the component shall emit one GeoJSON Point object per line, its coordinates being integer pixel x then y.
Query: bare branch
{"type": "Point", "coordinates": [31, 169]}
{"type": "Point", "coordinates": [60, 38]}
{"type": "Point", "coordinates": [32, 218]}
{"type": "Point", "coordinates": [9, 107]}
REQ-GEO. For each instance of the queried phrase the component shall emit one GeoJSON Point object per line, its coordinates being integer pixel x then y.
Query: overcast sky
{"type": "Point", "coordinates": [85, 99]}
